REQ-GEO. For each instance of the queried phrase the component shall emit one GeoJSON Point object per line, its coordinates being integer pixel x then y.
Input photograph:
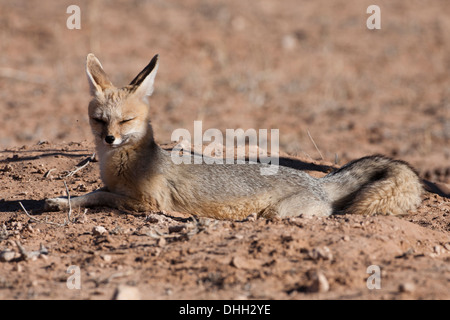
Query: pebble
{"type": "Point", "coordinates": [124, 292]}
{"type": "Point", "coordinates": [406, 287]}
{"type": "Point", "coordinates": [98, 230]}
{"type": "Point", "coordinates": [288, 42]}
{"type": "Point", "coordinates": [319, 282]}
{"type": "Point", "coordinates": [437, 249]}
{"type": "Point", "coordinates": [323, 253]}
{"type": "Point", "coordinates": [244, 263]}
{"type": "Point", "coordinates": [161, 242]}
{"type": "Point", "coordinates": [106, 257]}
{"type": "Point", "coordinates": [7, 255]}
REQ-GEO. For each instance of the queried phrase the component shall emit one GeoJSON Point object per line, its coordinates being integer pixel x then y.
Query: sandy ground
{"type": "Point", "coordinates": [308, 68]}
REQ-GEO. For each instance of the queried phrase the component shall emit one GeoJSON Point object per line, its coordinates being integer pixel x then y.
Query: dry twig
{"type": "Point", "coordinates": [66, 222]}
{"type": "Point", "coordinates": [315, 145]}
{"type": "Point", "coordinates": [87, 161]}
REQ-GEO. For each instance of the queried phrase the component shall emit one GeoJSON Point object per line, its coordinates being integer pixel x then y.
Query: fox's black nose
{"type": "Point", "coordinates": [109, 139]}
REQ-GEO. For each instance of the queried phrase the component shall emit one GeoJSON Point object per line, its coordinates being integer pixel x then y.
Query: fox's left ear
{"type": "Point", "coordinates": [143, 83]}
{"type": "Point", "coordinates": [97, 78]}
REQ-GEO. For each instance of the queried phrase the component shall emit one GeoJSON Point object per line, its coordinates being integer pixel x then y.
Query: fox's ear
{"type": "Point", "coordinates": [143, 83]}
{"type": "Point", "coordinates": [98, 80]}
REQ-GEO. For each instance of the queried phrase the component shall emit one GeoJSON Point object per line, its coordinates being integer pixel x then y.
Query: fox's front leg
{"type": "Point", "coordinates": [101, 197]}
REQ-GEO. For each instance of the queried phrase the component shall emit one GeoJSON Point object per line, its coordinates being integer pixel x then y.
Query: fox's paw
{"type": "Point", "coordinates": [56, 204]}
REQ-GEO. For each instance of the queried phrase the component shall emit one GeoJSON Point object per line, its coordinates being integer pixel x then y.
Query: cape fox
{"type": "Point", "coordinates": [139, 175]}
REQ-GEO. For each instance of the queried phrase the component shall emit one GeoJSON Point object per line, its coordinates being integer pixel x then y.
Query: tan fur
{"type": "Point", "coordinates": [140, 176]}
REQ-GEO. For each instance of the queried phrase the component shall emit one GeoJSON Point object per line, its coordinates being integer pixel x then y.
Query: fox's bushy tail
{"type": "Point", "coordinates": [374, 185]}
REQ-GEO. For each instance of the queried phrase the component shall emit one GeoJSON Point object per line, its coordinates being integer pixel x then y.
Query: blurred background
{"type": "Point", "coordinates": [297, 66]}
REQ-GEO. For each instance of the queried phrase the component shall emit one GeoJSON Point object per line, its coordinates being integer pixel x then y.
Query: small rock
{"type": "Point", "coordinates": [437, 249]}
{"type": "Point", "coordinates": [18, 267]}
{"type": "Point", "coordinates": [319, 282]}
{"type": "Point", "coordinates": [161, 242]}
{"type": "Point", "coordinates": [323, 253]}
{"type": "Point", "coordinates": [346, 238]}
{"type": "Point", "coordinates": [175, 229]}
{"type": "Point", "coordinates": [98, 230]}
{"type": "Point", "coordinates": [296, 221]}
{"type": "Point", "coordinates": [42, 250]}
{"type": "Point", "coordinates": [81, 187]}
{"type": "Point", "coordinates": [288, 42]}
{"type": "Point", "coordinates": [106, 257]}
{"type": "Point", "coordinates": [17, 225]}
{"type": "Point", "coordinates": [406, 287]}
{"type": "Point", "coordinates": [244, 263]}
{"type": "Point", "coordinates": [7, 255]}
{"type": "Point", "coordinates": [127, 293]}
{"type": "Point", "coordinates": [286, 238]}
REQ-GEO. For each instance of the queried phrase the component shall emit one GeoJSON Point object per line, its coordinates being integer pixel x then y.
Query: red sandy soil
{"type": "Point", "coordinates": [296, 66]}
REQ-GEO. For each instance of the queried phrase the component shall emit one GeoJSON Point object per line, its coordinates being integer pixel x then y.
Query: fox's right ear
{"type": "Point", "coordinates": [143, 83]}
{"type": "Point", "coordinates": [97, 78]}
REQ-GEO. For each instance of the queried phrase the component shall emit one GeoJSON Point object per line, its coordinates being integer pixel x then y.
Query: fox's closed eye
{"type": "Point", "coordinates": [126, 120]}
{"type": "Point", "coordinates": [98, 120]}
